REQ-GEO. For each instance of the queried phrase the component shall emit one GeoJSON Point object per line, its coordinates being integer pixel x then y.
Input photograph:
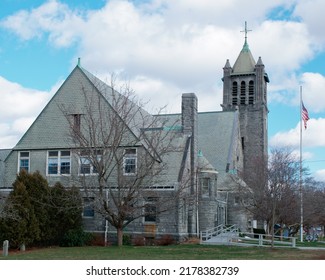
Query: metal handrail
{"type": "Point", "coordinates": [209, 233]}
{"type": "Point", "coordinates": [247, 238]}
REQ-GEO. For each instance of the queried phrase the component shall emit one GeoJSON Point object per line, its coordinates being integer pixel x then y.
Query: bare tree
{"type": "Point", "coordinates": [313, 203]}
{"type": "Point", "coordinates": [256, 195]}
{"type": "Point", "coordinates": [284, 182]}
{"type": "Point", "coordinates": [272, 193]}
{"type": "Point", "coordinates": [126, 150]}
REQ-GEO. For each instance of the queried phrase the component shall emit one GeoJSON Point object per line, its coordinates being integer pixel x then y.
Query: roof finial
{"type": "Point", "coordinates": [246, 31]}
{"type": "Point", "coordinates": [79, 61]}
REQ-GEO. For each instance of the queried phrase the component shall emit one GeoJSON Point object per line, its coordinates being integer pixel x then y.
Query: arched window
{"type": "Point", "coordinates": [251, 92]}
{"type": "Point", "coordinates": [234, 93]}
{"type": "Point", "coordinates": [242, 93]}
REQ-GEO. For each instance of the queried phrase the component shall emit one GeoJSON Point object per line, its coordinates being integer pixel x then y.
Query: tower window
{"type": "Point", "coordinates": [242, 93]}
{"type": "Point", "coordinates": [206, 186]}
{"type": "Point", "coordinates": [251, 92]}
{"type": "Point", "coordinates": [234, 93]}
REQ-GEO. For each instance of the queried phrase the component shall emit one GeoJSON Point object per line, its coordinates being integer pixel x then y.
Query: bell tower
{"type": "Point", "coordinates": [245, 90]}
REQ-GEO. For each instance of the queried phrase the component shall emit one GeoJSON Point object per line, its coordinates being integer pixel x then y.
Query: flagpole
{"type": "Point", "coordinates": [300, 179]}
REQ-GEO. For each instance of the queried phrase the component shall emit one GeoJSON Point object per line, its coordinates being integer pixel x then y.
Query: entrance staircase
{"type": "Point", "coordinates": [221, 234]}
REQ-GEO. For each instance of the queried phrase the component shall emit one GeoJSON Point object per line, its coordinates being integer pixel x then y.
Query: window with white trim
{"type": "Point", "coordinates": [23, 162]}
{"type": "Point", "coordinates": [86, 167]}
{"type": "Point", "coordinates": [130, 161]}
{"type": "Point", "coordinates": [59, 163]}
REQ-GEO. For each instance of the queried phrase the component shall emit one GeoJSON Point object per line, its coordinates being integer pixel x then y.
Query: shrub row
{"type": "Point", "coordinates": [39, 215]}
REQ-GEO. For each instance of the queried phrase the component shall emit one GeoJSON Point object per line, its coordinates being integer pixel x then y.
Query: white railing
{"type": "Point", "coordinates": [244, 238]}
{"type": "Point", "coordinates": [257, 239]}
{"type": "Point", "coordinates": [210, 233]}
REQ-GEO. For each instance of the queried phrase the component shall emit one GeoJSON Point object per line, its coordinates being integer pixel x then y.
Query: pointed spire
{"type": "Point", "coordinates": [245, 62]}
{"type": "Point", "coordinates": [246, 47]}
{"type": "Point", "coordinates": [227, 64]}
{"type": "Point", "coordinates": [259, 61]}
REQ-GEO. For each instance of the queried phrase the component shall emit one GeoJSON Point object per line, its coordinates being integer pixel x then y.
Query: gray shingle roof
{"type": "Point", "coordinates": [39, 136]}
{"type": "Point", "coordinates": [216, 136]}
{"type": "Point", "coordinates": [215, 131]}
{"type": "Point", "coordinates": [3, 155]}
{"type": "Point", "coordinates": [245, 62]}
{"type": "Point", "coordinates": [140, 117]}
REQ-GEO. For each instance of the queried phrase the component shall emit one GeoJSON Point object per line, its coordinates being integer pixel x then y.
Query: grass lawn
{"type": "Point", "coordinates": [172, 252]}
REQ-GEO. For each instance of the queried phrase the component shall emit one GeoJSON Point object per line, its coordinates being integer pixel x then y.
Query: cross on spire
{"type": "Point", "coordinates": [246, 31]}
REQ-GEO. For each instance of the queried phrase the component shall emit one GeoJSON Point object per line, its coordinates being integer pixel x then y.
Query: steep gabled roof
{"type": "Point", "coordinates": [217, 137]}
{"type": "Point", "coordinates": [204, 165]}
{"type": "Point", "coordinates": [245, 62]}
{"type": "Point", "coordinates": [3, 155]}
{"type": "Point", "coordinates": [133, 115]}
{"type": "Point", "coordinates": [140, 117]}
{"type": "Point", "coordinates": [50, 135]}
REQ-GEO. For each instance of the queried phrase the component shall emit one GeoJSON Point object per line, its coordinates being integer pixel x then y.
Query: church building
{"type": "Point", "coordinates": [212, 151]}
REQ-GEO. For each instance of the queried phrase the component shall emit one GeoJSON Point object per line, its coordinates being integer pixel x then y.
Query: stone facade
{"type": "Point", "coordinates": [245, 90]}
{"type": "Point", "coordinates": [213, 147]}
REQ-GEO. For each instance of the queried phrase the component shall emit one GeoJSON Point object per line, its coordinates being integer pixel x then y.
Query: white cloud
{"type": "Point", "coordinates": [319, 175]}
{"type": "Point", "coordinates": [312, 13]}
{"type": "Point", "coordinates": [168, 47]}
{"type": "Point", "coordinates": [284, 45]}
{"type": "Point", "coordinates": [17, 101]}
{"type": "Point", "coordinates": [177, 44]}
{"type": "Point", "coordinates": [313, 136]}
{"type": "Point", "coordinates": [53, 18]}
{"type": "Point", "coordinates": [19, 108]}
{"type": "Point", "coordinates": [313, 91]}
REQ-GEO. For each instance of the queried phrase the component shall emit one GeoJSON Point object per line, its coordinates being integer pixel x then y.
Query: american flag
{"type": "Point", "coordinates": [304, 114]}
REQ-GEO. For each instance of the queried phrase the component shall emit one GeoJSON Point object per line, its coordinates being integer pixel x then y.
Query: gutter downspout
{"type": "Point", "coordinates": [106, 222]}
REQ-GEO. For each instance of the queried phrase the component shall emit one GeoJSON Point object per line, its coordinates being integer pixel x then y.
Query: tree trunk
{"type": "Point", "coordinates": [119, 236]}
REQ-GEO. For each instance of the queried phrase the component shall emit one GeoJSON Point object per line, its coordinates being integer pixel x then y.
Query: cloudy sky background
{"type": "Point", "coordinates": [164, 48]}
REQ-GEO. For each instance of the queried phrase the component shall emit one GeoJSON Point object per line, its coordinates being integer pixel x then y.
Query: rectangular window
{"type": "Point", "coordinates": [88, 207]}
{"type": "Point", "coordinates": [53, 162]}
{"type": "Point", "coordinates": [59, 163]}
{"type": "Point", "coordinates": [65, 162]}
{"type": "Point", "coordinates": [130, 161]}
{"type": "Point", "coordinates": [23, 161]}
{"type": "Point", "coordinates": [151, 210]}
{"type": "Point", "coordinates": [206, 186]}
{"type": "Point", "coordinates": [85, 164]}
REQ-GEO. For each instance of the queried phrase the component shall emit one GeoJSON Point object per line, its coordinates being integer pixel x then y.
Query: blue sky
{"type": "Point", "coordinates": [164, 48]}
